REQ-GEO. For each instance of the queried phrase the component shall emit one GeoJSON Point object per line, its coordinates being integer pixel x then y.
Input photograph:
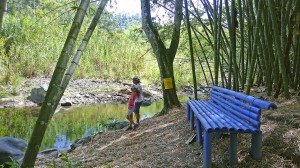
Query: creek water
{"type": "Point", "coordinates": [69, 124]}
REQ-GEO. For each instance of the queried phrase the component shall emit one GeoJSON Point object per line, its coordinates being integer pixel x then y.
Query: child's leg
{"type": "Point", "coordinates": [136, 110]}
{"type": "Point", "coordinates": [129, 118]}
{"type": "Point", "coordinates": [137, 116]}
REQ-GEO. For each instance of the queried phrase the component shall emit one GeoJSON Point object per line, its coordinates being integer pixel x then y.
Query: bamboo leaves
{"type": "Point", "coordinates": [254, 45]}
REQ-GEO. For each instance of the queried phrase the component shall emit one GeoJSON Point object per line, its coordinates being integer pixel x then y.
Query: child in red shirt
{"type": "Point", "coordinates": [131, 101]}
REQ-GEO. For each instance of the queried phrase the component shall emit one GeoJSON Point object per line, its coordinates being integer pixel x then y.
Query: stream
{"type": "Point", "coordinates": [71, 123]}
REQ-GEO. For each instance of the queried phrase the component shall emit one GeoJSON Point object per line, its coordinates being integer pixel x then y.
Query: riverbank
{"type": "Point", "coordinates": [161, 142]}
{"type": "Point", "coordinates": [79, 92]}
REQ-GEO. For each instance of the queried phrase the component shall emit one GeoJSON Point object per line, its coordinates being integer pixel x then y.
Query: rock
{"type": "Point", "coordinates": [147, 101]}
{"type": "Point", "coordinates": [52, 153]}
{"type": "Point", "coordinates": [147, 94]}
{"type": "Point", "coordinates": [48, 153]}
{"type": "Point", "coordinates": [65, 102]}
{"type": "Point", "coordinates": [117, 125]}
{"type": "Point", "coordinates": [37, 94]}
{"type": "Point", "coordinates": [80, 142]}
{"type": "Point", "coordinates": [114, 124]}
{"type": "Point", "coordinates": [8, 106]}
{"type": "Point", "coordinates": [12, 148]}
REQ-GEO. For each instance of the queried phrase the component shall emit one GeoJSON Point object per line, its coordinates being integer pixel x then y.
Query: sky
{"type": "Point", "coordinates": [126, 6]}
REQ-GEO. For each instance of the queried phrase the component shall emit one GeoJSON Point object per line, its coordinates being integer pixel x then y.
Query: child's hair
{"type": "Point", "coordinates": [137, 79]}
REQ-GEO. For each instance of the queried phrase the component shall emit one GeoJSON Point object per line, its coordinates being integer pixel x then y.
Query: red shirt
{"type": "Point", "coordinates": [131, 100]}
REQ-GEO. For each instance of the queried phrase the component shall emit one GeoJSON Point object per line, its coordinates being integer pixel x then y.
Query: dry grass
{"type": "Point", "coordinates": [160, 142]}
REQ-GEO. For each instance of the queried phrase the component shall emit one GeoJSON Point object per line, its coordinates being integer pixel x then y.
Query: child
{"type": "Point", "coordinates": [131, 101]}
{"type": "Point", "coordinates": [139, 99]}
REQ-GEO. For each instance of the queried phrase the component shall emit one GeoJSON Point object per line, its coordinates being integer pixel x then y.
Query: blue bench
{"type": "Point", "coordinates": [230, 112]}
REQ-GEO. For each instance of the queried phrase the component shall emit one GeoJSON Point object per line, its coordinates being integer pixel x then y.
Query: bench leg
{"type": "Point", "coordinates": [256, 145]}
{"type": "Point", "coordinates": [233, 149]}
{"type": "Point", "coordinates": [199, 132]}
{"type": "Point", "coordinates": [207, 149]}
{"type": "Point", "coordinates": [191, 120]}
{"type": "Point", "coordinates": [187, 112]}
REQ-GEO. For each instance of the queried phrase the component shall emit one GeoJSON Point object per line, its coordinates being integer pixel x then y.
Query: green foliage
{"type": "Point", "coordinates": [34, 34]}
{"type": "Point", "coordinates": [66, 162]}
{"type": "Point", "coordinates": [12, 164]}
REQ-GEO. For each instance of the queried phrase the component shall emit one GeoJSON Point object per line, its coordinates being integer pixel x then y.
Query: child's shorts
{"type": "Point", "coordinates": [129, 112]}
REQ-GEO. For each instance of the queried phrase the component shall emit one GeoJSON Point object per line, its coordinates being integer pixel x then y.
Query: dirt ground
{"type": "Point", "coordinates": [161, 142]}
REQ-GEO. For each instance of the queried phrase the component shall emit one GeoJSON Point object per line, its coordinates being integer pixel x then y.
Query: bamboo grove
{"type": "Point", "coordinates": [251, 42]}
{"type": "Point", "coordinates": [236, 43]}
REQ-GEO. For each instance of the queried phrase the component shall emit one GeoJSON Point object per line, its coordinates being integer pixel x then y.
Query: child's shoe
{"type": "Point", "coordinates": [129, 128]}
{"type": "Point", "coordinates": [135, 126]}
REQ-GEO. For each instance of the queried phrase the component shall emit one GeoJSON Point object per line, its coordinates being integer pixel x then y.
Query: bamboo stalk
{"type": "Point", "coordinates": [279, 50]}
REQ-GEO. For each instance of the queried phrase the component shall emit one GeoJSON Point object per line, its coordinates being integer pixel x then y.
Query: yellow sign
{"type": "Point", "coordinates": [168, 83]}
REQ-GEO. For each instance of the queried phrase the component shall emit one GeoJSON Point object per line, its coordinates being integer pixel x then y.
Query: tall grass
{"type": "Point", "coordinates": [33, 41]}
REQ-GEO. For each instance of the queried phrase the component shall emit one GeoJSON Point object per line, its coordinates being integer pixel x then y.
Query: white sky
{"type": "Point", "coordinates": [126, 6]}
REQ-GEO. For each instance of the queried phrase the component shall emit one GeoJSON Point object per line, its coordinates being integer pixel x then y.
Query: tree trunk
{"type": "Point", "coordinates": [2, 10]}
{"type": "Point", "coordinates": [82, 46]}
{"type": "Point", "coordinates": [52, 96]}
{"type": "Point", "coordinates": [164, 56]}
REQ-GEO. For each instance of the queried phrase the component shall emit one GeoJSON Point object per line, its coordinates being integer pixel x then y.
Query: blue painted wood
{"type": "Point", "coordinates": [233, 149]}
{"type": "Point", "coordinates": [256, 146]}
{"type": "Point", "coordinates": [192, 120]}
{"type": "Point", "coordinates": [207, 149]}
{"type": "Point", "coordinates": [195, 108]}
{"type": "Point", "coordinates": [236, 111]}
{"type": "Point", "coordinates": [255, 101]}
{"type": "Point", "coordinates": [238, 102]}
{"type": "Point", "coordinates": [228, 111]}
{"type": "Point", "coordinates": [187, 112]}
{"type": "Point", "coordinates": [198, 132]}
{"type": "Point", "coordinates": [237, 123]}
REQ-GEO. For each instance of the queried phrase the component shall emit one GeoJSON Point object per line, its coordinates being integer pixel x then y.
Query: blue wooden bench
{"type": "Point", "coordinates": [231, 112]}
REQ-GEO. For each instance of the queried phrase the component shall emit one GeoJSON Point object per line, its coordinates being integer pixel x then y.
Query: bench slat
{"type": "Point", "coordinates": [227, 123]}
{"type": "Point", "coordinates": [193, 105]}
{"type": "Point", "coordinates": [241, 124]}
{"type": "Point", "coordinates": [255, 101]}
{"type": "Point", "coordinates": [205, 114]}
{"type": "Point", "coordinates": [237, 111]}
{"type": "Point", "coordinates": [214, 119]}
{"type": "Point", "coordinates": [237, 102]}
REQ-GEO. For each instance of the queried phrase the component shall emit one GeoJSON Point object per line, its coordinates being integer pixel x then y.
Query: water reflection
{"type": "Point", "coordinates": [69, 124]}
{"type": "Point", "coordinates": [61, 141]}
{"type": "Point", "coordinates": [79, 122]}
